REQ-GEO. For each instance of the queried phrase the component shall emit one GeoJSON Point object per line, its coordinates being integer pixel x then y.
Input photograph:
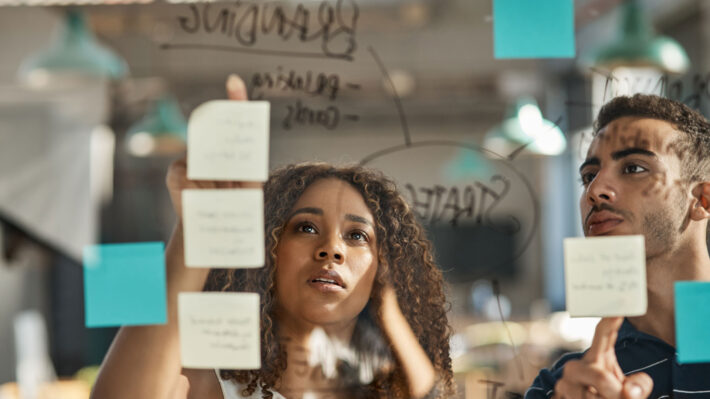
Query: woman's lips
{"type": "Point", "coordinates": [325, 286]}
{"type": "Point", "coordinates": [326, 281]}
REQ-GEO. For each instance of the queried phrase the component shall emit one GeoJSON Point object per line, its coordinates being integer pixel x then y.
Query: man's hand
{"type": "Point", "coordinates": [598, 375]}
{"type": "Point", "coordinates": [176, 179]}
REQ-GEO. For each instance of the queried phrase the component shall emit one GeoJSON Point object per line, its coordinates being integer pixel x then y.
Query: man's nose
{"type": "Point", "coordinates": [601, 189]}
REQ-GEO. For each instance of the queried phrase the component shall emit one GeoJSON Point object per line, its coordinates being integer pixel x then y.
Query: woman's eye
{"type": "Point", "coordinates": [358, 235]}
{"type": "Point", "coordinates": [306, 228]}
{"type": "Point", "coordinates": [633, 168]}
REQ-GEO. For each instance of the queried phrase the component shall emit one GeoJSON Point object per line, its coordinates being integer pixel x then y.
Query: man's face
{"type": "Point", "coordinates": [632, 183]}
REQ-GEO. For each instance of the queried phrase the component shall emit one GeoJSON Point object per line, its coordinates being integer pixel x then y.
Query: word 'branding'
{"type": "Point", "coordinates": [334, 26]}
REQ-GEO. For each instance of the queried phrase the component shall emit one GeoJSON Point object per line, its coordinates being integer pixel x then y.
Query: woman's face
{"type": "Point", "coordinates": [326, 258]}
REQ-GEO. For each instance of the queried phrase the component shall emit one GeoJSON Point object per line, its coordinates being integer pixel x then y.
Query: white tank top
{"type": "Point", "coordinates": [233, 390]}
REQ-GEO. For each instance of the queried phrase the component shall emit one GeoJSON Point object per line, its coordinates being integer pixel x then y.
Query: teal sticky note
{"type": "Point", "coordinates": [124, 284]}
{"type": "Point", "coordinates": [692, 321]}
{"type": "Point", "coordinates": [533, 28]}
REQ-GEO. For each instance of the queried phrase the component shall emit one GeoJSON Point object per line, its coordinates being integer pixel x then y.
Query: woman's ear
{"type": "Point", "coordinates": [378, 283]}
{"type": "Point", "coordinates": [381, 279]}
{"type": "Point", "coordinates": [701, 204]}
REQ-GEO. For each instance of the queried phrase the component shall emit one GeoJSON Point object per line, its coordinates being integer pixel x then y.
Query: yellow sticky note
{"type": "Point", "coordinates": [228, 140]}
{"type": "Point", "coordinates": [605, 276]}
{"type": "Point", "coordinates": [223, 227]}
{"type": "Point", "coordinates": [219, 330]}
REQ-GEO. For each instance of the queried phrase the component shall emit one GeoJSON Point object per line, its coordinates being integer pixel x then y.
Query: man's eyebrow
{"type": "Point", "coordinates": [630, 151]}
{"type": "Point", "coordinates": [358, 219]}
{"type": "Point", "coordinates": [618, 155]}
{"type": "Point", "coordinates": [314, 211]}
{"type": "Point", "coordinates": [591, 161]}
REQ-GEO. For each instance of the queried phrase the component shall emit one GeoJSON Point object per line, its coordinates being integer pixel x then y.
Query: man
{"type": "Point", "coordinates": [647, 172]}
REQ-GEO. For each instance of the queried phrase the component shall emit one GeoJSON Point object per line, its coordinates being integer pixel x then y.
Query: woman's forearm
{"type": "Point", "coordinates": [144, 361]}
{"type": "Point", "coordinates": [421, 375]}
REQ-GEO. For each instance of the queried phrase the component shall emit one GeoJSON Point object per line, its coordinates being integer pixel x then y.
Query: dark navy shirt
{"type": "Point", "coordinates": [637, 351]}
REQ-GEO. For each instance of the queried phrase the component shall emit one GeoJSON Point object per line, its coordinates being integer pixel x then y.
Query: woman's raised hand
{"type": "Point", "coordinates": [176, 179]}
{"type": "Point", "coordinates": [144, 361]}
{"type": "Point", "coordinates": [421, 375]}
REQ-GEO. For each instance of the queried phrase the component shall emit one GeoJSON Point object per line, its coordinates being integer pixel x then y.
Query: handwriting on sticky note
{"type": "Point", "coordinates": [219, 330]}
{"type": "Point", "coordinates": [223, 227]}
{"type": "Point", "coordinates": [605, 276]}
{"type": "Point", "coordinates": [228, 140]}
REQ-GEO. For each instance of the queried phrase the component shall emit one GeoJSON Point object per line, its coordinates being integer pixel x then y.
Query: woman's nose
{"type": "Point", "coordinates": [324, 255]}
{"type": "Point", "coordinates": [331, 248]}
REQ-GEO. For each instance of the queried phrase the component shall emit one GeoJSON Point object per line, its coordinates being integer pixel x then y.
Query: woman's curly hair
{"type": "Point", "coordinates": [403, 248]}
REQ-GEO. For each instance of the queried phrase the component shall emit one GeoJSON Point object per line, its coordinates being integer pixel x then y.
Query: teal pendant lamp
{"type": "Point", "coordinates": [75, 50]}
{"type": "Point", "coordinates": [637, 46]}
{"type": "Point", "coordinates": [468, 164]}
{"type": "Point", "coordinates": [161, 132]}
{"type": "Point", "coordinates": [525, 128]}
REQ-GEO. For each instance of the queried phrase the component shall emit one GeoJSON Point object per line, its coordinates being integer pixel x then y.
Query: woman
{"type": "Point", "coordinates": [344, 251]}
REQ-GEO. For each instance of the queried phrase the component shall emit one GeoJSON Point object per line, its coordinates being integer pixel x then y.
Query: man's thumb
{"type": "Point", "coordinates": [637, 386]}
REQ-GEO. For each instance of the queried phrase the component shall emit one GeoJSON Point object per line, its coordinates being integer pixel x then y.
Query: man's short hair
{"type": "Point", "coordinates": [693, 147]}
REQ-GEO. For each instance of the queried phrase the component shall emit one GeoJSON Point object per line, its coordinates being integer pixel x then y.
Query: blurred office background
{"type": "Point", "coordinates": [94, 98]}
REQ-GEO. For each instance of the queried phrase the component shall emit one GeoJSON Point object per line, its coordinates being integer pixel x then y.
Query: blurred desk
{"type": "Point", "coordinates": [69, 389]}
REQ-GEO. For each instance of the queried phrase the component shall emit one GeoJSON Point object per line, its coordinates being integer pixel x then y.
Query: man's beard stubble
{"type": "Point", "coordinates": [663, 228]}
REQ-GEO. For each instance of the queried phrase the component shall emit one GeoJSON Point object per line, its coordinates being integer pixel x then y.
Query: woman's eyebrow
{"type": "Point", "coordinates": [311, 210]}
{"type": "Point", "coordinates": [358, 219]}
{"type": "Point", "coordinates": [319, 211]}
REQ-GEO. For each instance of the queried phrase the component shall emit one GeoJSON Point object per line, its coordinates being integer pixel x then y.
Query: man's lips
{"type": "Point", "coordinates": [602, 222]}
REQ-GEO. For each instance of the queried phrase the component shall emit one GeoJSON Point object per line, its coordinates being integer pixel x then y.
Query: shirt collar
{"type": "Point", "coordinates": [628, 332]}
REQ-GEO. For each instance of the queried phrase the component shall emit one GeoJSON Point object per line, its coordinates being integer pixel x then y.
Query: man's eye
{"type": "Point", "coordinates": [587, 177]}
{"type": "Point", "coordinates": [633, 168]}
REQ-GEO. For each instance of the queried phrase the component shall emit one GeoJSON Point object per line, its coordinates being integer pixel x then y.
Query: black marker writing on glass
{"type": "Point", "coordinates": [332, 25]}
